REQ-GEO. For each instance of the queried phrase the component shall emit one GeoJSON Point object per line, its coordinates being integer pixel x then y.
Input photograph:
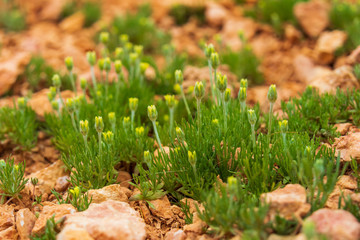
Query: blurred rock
{"type": "Point", "coordinates": [73, 23]}
{"type": "Point", "coordinates": [313, 16]}
{"type": "Point", "coordinates": [354, 57]}
{"type": "Point", "coordinates": [341, 77]}
{"type": "Point", "coordinates": [112, 192]}
{"type": "Point", "coordinates": [25, 221]}
{"type": "Point", "coordinates": [327, 44]}
{"type": "Point", "coordinates": [175, 234]}
{"type": "Point", "coordinates": [123, 179]}
{"type": "Point", "coordinates": [231, 29]}
{"type": "Point", "coordinates": [344, 128]}
{"type": "Point", "coordinates": [336, 224]}
{"type": "Point", "coordinates": [11, 66]}
{"type": "Point", "coordinates": [215, 14]}
{"type": "Point", "coordinates": [9, 234]}
{"type": "Point", "coordinates": [348, 146]}
{"type": "Point", "coordinates": [74, 233]}
{"type": "Point", "coordinates": [287, 201]}
{"type": "Point", "coordinates": [62, 184]}
{"type": "Point", "coordinates": [7, 218]}
{"type": "Point", "coordinates": [110, 220]}
{"type": "Point", "coordinates": [292, 34]}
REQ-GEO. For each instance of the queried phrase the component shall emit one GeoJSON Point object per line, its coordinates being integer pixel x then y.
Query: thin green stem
{"type": "Point", "coordinates": [270, 118]}
{"type": "Point", "coordinates": [253, 135]}
{"type": "Point", "coordinates": [132, 120]}
{"type": "Point", "coordinates": [217, 101]}
{"type": "Point", "coordinates": [72, 80]}
{"type": "Point", "coordinates": [224, 111]}
{"type": "Point", "coordinates": [171, 112]}
{"type": "Point", "coordinates": [198, 104]}
{"type": "Point", "coordinates": [157, 135]}
{"type": "Point", "coordinates": [73, 121]}
{"type": "Point", "coordinates": [106, 83]}
{"type": "Point", "coordinates": [211, 81]}
{"type": "Point", "coordinates": [99, 137]}
{"type": "Point", "coordinates": [93, 78]}
{"type": "Point", "coordinates": [185, 102]}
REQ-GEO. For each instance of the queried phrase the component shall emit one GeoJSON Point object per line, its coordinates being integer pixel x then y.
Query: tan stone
{"type": "Point", "coordinates": [112, 192]}
{"type": "Point", "coordinates": [175, 234]}
{"type": "Point", "coordinates": [59, 210]}
{"type": "Point", "coordinates": [288, 202]}
{"type": "Point", "coordinates": [343, 128]}
{"type": "Point", "coordinates": [62, 183]}
{"type": "Point", "coordinates": [7, 218]}
{"type": "Point", "coordinates": [312, 16]}
{"type": "Point", "coordinates": [73, 23]}
{"type": "Point", "coordinates": [11, 65]}
{"type": "Point", "coordinates": [162, 208]}
{"type": "Point", "coordinates": [25, 221]}
{"type": "Point", "coordinates": [327, 44]}
{"type": "Point", "coordinates": [336, 224]}
{"type": "Point", "coordinates": [47, 177]}
{"type": "Point", "coordinates": [109, 220]}
{"type": "Point", "coordinates": [9, 234]}
{"type": "Point", "coordinates": [341, 77]}
{"type": "Point", "coordinates": [348, 146]}
{"type": "Point", "coordinates": [215, 14]}
{"type": "Point", "coordinates": [74, 233]}
{"type": "Point", "coordinates": [124, 178]}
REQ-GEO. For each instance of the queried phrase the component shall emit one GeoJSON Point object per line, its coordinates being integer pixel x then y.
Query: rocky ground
{"type": "Point", "coordinates": [303, 57]}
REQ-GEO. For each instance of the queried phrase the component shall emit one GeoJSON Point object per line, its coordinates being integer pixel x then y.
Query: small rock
{"type": "Point", "coordinates": [292, 34]}
{"type": "Point", "coordinates": [197, 226]}
{"type": "Point", "coordinates": [348, 146]}
{"type": "Point", "coordinates": [333, 200]}
{"type": "Point", "coordinates": [327, 44]}
{"type": "Point", "coordinates": [336, 224]}
{"type": "Point", "coordinates": [47, 177]}
{"type": "Point", "coordinates": [62, 183]}
{"type": "Point", "coordinates": [313, 16]}
{"type": "Point", "coordinates": [7, 218]}
{"type": "Point", "coordinates": [74, 233]}
{"type": "Point", "coordinates": [9, 234]}
{"type": "Point", "coordinates": [48, 211]}
{"type": "Point", "coordinates": [110, 220]}
{"type": "Point", "coordinates": [112, 192]}
{"type": "Point", "coordinates": [175, 234]}
{"type": "Point", "coordinates": [341, 77]}
{"type": "Point", "coordinates": [287, 201]}
{"type": "Point", "coordinates": [300, 236]}
{"type": "Point", "coordinates": [215, 14]}
{"type": "Point", "coordinates": [73, 23]}
{"type": "Point", "coordinates": [354, 57]}
{"type": "Point", "coordinates": [123, 179]}
{"type": "Point", "coordinates": [25, 221]}
{"type": "Point", "coordinates": [347, 182]}
{"type": "Point", "coordinates": [162, 208]}
{"type": "Point", "coordinates": [11, 65]}
{"type": "Point", "coordinates": [343, 128]}
{"type": "Point", "coordinates": [231, 29]}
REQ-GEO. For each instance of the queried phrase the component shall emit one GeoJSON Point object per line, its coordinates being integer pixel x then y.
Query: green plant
{"type": "Point", "coordinates": [244, 64]}
{"type": "Point", "coordinates": [232, 209]}
{"type": "Point", "coordinates": [75, 197]}
{"type": "Point", "coordinates": [283, 226]}
{"type": "Point", "coordinates": [92, 12]}
{"type": "Point", "coordinates": [182, 13]}
{"type": "Point", "coordinates": [140, 29]}
{"type": "Point", "coordinates": [12, 180]}
{"type": "Point", "coordinates": [275, 13]}
{"type": "Point", "coordinates": [20, 124]}
{"type": "Point", "coordinates": [346, 16]}
{"type": "Point", "coordinates": [147, 183]}
{"type": "Point", "coordinates": [12, 19]}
